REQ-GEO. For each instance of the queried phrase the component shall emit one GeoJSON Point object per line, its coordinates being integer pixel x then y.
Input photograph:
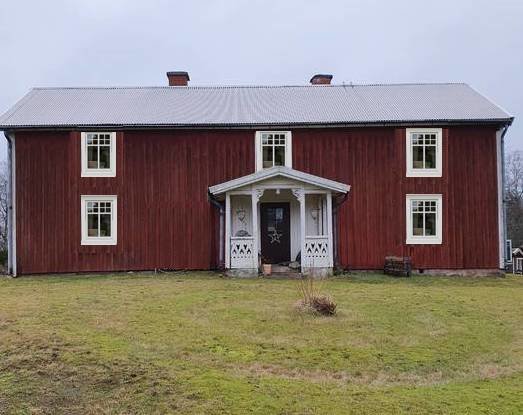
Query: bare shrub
{"type": "Point", "coordinates": [312, 300]}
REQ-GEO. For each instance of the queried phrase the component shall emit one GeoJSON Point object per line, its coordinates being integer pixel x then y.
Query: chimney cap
{"type": "Point", "coordinates": [178, 78]}
{"type": "Point", "coordinates": [179, 73]}
{"type": "Point", "coordinates": [319, 78]}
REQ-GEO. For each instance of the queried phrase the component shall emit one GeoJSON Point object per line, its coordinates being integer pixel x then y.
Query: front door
{"type": "Point", "coordinates": [275, 232]}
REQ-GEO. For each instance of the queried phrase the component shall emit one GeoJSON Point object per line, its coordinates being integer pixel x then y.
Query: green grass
{"type": "Point", "coordinates": [196, 343]}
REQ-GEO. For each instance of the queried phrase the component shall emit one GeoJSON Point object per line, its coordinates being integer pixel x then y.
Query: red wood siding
{"type": "Point", "coordinates": [372, 222]}
{"type": "Point", "coordinates": [166, 221]}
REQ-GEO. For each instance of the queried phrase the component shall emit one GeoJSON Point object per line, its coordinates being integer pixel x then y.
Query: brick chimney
{"type": "Point", "coordinates": [321, 79]}
{"type": "Point", "coordinates": [178, 78]}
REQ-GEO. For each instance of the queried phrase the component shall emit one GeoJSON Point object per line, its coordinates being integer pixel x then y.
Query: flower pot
{"type": "Point", "coordinates": [267, 269]}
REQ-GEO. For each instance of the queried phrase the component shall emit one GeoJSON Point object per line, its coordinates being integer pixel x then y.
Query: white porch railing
{"type": "Point", "coordinates": [242, 252]}
{"type": "Point", "coordinates": [317, 252]}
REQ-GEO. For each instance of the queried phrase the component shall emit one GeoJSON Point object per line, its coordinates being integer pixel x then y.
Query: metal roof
{"type": "Point", "coordinates": [190, 106]}
{"type": "Point", "coordinates": [279, 171]}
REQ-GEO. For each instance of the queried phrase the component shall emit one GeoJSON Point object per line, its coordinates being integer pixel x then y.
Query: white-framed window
{"type": "Point", "coordinates": [424, 219]}
{"type": "Point", "coordinates": [424, 149]}
{"type": "Point", "coordinates": [273, 148]}
{"type": "Point", "coordinates": [98, 154]}
{"type": "Point", "coordinates": [99, 220]}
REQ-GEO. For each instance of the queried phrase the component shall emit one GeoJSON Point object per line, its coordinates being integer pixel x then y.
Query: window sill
{"type": "Point", "coordinates": [424, 173]}
{"type": "Point", "coordinates": [98, 241]}
{"type": "Point", "coordinates": [420, 240]}
{"type": "Point", "coordinates": [99, 173]}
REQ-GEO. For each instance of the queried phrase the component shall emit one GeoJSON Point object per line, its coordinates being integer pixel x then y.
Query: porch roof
{"type": "Point", "coordinates": [279, 171]}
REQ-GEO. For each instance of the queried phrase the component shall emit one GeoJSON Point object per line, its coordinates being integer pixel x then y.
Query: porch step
{"type": "Point", "coordinates": [276, 269]}
{"type": "Point", "coordinates": [282, 271]}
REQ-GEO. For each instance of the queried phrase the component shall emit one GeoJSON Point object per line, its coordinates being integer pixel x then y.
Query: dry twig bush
{"type": "Point", "coordinates": [312, 300]}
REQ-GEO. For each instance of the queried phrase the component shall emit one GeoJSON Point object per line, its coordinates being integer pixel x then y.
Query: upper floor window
{"type": "Point", "coordinates": [98, 220]}
{"type": "Point", "coordinates": [424, 219]}
{"type": "Point", "coordinates": [273, 148]}
{"type": "Point", "coordinates": [99, 154]}
{"type": "Point", "coordinates": [424, 152]}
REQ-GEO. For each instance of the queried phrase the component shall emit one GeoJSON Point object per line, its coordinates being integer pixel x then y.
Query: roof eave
{"type": "Point", "coordinates": [379, 123]}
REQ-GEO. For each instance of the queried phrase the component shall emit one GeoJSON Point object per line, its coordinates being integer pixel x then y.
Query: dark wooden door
{"type": "Point", "coordinates": [275, 232]}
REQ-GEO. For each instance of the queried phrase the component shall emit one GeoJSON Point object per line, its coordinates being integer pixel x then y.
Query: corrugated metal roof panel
{"type": "Point", "coordinates": [250, 105]}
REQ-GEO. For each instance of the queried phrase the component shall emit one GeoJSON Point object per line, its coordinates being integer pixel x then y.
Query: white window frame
{"type": "Point", "coordinates": [416, 172]}
{"type": "Point", "coordinates": [90, 172]}
{"type": "Point", "coordinates": [259, 150]}
{"type": "Point", "coordinates": [99, 240]}
{"type": "Point", "coordinates": [420, 239]}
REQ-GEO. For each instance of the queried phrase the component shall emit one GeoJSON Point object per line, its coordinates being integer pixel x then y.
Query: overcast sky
{"type": "Point", "coordinates": [131, 42]}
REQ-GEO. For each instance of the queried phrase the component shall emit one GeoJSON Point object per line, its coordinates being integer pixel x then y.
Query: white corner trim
{"type": "Point", "coordinates": [87, 172]}
{"type": "Point", "coordinates": [101, 240]}
{"type": "Point", "coordinates": [424, 240]}
{"type": "Point", "coordinates": [501, 230]}
{"type": "Point", "coordinates": [12, 259]}
{"type": "Point", "coordinates": [410, 170]}
{"type": "Point", "coordinates": [259, 153]}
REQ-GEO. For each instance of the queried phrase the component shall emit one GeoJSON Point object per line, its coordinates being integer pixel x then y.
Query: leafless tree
{"type": "Point", "coordinates": [514, 197]}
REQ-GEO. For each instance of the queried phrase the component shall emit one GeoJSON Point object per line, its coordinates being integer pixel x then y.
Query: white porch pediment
{"type": "Point", "coordinates": [279, 176]}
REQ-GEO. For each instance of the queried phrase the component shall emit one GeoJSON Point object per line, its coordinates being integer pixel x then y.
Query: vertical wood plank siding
{"type": "Point", "coordinates": [166, 221]}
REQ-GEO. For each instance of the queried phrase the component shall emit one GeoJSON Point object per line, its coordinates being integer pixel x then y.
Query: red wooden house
{"type": "Point", "coordinates": [183, 177]}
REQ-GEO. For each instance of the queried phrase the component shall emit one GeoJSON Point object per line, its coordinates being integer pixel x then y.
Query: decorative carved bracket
{"type": "Point", "coordinates": [299, 194]}
{"type": "Point", "coordinates": [258, 193]}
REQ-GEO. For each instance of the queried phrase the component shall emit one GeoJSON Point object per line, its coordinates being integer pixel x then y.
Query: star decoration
{"type": "Point", "coordinates": [275, 236]}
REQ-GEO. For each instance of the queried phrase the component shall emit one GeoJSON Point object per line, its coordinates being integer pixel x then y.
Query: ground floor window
{"type": "Point", "coordinates": [99, 220]}
{"type": "Point", "coordinates": [424, 219]}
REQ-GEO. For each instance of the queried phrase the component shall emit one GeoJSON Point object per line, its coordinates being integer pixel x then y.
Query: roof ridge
{"type": "Point", "coordinates": [343, 85]}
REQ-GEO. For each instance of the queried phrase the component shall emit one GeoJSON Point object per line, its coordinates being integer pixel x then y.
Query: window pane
{"type": "Point", "coordinates": [430, 157]}
{"type": "Point", "coordinates": [417, 224]}
{"type": "Point", "coordinates": [105, 157]}
{"type": "Point", "coordinates": [267, 157]}
{"type": "Point", "coordinates": [92, 157]}
{"type": "Point", "coordinates": [279, 156]}
{"type": "Point", "coordinates": [417, 157]}
{"type": "Point", "coordinates": [105, 225]}
{"type": "Point", "coordinates": [92, 225]}
{"type": "Point", "coordinates": [430, 224]}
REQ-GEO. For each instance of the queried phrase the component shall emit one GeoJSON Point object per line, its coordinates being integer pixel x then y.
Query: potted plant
{"type": "Point", "coordinates": [266, 266]}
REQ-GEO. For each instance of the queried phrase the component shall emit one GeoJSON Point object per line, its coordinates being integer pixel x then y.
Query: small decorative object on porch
{"type": "Point", "coordinates": [315, 213]}
{"type": "Point", "coordinates": [398, 266]}
{"type": "Point", "coordinates": [267, 269]}
{"type": "Point", "coordinates": [241, 214]}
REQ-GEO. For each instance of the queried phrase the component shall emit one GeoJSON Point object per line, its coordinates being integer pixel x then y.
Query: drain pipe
{"type": "Point", "coordinates": [335, 238]}
{"type": "Point", "coordinates": [11, 204]}
{"type": "Point", "coordinates": [504, 195]}
{"type": "Point", "coordinates": [221, 206]}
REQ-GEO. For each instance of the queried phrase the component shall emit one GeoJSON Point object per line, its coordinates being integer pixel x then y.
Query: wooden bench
{"type": "Point", "coordinates": [398, 266]}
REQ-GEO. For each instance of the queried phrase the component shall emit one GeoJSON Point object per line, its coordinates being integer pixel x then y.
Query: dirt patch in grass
{"type": "Point", "coordinates": [379, 379]}
{"type": "Point", "coordinates": [70, 379]}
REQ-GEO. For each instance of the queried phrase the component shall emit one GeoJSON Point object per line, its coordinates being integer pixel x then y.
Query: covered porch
{"type": "Point", "coordinates": [278, 216]}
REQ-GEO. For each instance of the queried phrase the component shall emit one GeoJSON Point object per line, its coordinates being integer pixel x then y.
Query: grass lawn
{"type": "Point", "coordinates": [196, 343]}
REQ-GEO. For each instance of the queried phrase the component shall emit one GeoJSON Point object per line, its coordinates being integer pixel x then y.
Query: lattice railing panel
{"type": "Point", "coordinates": [317, 252]}
{"type": "Point", "coordinates": [242, 253]}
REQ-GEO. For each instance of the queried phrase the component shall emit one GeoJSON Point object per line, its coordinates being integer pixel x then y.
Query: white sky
{"type": "Point", "coordinates": [130, 42]}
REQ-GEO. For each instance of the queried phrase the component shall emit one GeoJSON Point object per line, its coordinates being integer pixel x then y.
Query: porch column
{"type": "Point", "coordinates": [300, 195]}
{"type": "Point", "coordinates": [227, 230]}
{"type": "Point", "coordinates": [329, 228]}
{"type": "Point", "coordinates": [255, 196]}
